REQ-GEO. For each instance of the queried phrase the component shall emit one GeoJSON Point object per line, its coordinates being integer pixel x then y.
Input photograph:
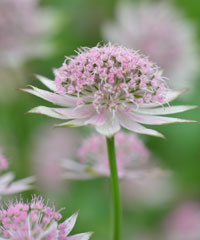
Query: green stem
{"type": "Point", "coordinates": [115, 188]}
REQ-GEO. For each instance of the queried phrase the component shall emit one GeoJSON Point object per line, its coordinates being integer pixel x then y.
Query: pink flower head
{"type": "Point", "coordinates": [36, 220]}
{"type": "Point", "coordinates": [168, 38]}
{"type": "Point", "coordinates": [184, 222]}
{"type": "Point", "coordinates": [107, 87]}
{"type": "Point", "coordinates": [7, 184]}
{"type": "Point", "coordinates": [23, 25]}
{"type": "Point", "coordinates": [110, 76]}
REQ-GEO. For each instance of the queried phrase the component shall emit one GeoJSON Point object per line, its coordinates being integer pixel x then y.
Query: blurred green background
{"type": "Point", "coordinates": [80, 24]}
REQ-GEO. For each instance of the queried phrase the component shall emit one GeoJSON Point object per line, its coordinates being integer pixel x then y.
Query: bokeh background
{"type": "Point", "coordinates": [29, 140]}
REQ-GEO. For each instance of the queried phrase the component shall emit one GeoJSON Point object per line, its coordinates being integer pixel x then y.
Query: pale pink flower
{"type": "Point", "coordinates": [184, 222]}
{"type": "Point", "coordinates": [168, 39]}
{"type": "Point", "coordinates": [23, 26]}
{"type": "Point", "coordinates": [132, 159]}
{"type": "Point", "coordinates": [130, 152]}
{"type": "Point", "coordinates": [108, 87]}
{"type": "Point", "coordinates": [7, 184]}
{"type": "Point", "coordinates": [48, 147]}
{"type": "Point", "coordinates": [36, 221]}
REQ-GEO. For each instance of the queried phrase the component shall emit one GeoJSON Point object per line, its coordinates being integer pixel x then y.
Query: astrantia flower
{"type": "Point", "coordinates": [168, 39]}
{"type": "Point", "coordinates": [23, 26]}
{"type": "Point", "coordinates": [183, 223]}
{"type": "Point", "coordinates": [7, 185]}
{"type": "Point", "coordinates": [36, 221]}
{"type": "Point", "coordinates": [108, 87]}
{"type": "Point", "coordinates": [132, 159]}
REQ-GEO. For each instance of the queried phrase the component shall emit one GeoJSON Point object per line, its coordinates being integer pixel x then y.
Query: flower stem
{"type": "Point", "coordinates": [115, 188]}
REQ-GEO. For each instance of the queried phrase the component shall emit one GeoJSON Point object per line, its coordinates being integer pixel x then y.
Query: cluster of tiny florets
{"type": "Point", "coordinates": [21, 221]}
{"type": "Point", "coordinates": [130, 152]}
{"type": "Point", "coordinates": [109, 76]}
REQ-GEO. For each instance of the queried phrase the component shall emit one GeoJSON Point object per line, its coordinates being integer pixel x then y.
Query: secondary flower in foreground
{"type": "Point", "coordinates": [7, 185]}
{"type": "Point", "coordinates": [168, 38]}
{"type": "Point", "coordinates": [132, 159]}
{"type": "Point", "coordinates": [108, 87]}
{"type": "Point", "coordinates": [36, 221]}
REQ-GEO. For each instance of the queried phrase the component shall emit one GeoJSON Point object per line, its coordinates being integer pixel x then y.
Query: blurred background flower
{"type": "Point", "coordinates": [91, 159]}
{"type": "Point", "coordinates": [150, 184]}
{"type": "Point", "coordinates": [26, 29]}
{"type": "Point", "coordinates": [183, 223]}
{"type": "Point", "coordinates": [160, 31]}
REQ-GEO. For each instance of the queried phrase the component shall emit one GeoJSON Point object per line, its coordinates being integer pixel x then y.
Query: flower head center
{"type": "Point", "coordinates": [109, 76]}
